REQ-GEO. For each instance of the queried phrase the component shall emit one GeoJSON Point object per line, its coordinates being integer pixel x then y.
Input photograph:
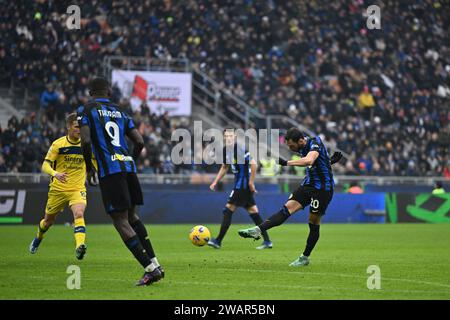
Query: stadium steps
{"type": "Point", "coordinates": [209, 98]}
{"type": "Point", "coordinates": [209, 94]}
{"type": "Point", "coordinates": [9, 107]}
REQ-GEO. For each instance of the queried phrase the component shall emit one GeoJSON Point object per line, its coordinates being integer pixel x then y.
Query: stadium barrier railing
{"type": "Point", "coordinates": [204, 178]}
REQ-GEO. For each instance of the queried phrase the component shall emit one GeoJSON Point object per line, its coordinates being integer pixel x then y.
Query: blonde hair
{"type": "Point", "coordinates": [71, 118]}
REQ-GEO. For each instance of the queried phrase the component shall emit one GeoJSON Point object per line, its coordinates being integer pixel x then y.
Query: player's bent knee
{"type": "Point", "coordinates": [133, 218]}
{"type": "Point", "coordinates": [293, 206]}
{"type": "Point", "coordinates": [231, 207]}
{"type": "Point", "coordinates": [253, 210]}
{"type": "Point", "coordinates": [49, 219]}
{"type": "Point", "coordinates": [314, 218]}
{"type": "Point", "coordinates": [78, 214]}
{"type": "Point", "coordinates": [48, 223]}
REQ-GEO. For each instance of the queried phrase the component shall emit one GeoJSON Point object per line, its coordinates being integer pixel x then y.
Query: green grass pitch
{"type": "Point", "coordinates": [414, 260]}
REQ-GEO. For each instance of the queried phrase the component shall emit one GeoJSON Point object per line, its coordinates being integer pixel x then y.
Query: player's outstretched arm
{"type": "Point", "coordinates": [336, 157]}
{"type": "Point", "coordinates": [138, 142]}
{"type": "Point", "coordinates": [222, 172]}
{"type": "Point", "coordinates": [302, 162]}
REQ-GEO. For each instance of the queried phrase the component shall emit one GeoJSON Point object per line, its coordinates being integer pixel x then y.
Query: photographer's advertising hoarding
{"type": "Point", "coordinates": [162, 91]}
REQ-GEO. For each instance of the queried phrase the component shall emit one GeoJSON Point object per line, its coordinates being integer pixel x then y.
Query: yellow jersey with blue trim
{"type": "Point", "coordinates": [65, 155]}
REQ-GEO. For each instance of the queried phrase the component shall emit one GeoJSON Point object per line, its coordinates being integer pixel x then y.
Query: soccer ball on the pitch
{"type": "Point", "coordinates": [199, 235]}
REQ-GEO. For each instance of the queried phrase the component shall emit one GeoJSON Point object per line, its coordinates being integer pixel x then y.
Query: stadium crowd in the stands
{"type": "Point", "coordinates": [381, 95]}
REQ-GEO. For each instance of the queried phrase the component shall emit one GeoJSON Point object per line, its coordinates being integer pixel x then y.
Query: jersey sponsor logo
{"type": "Point", "coordinates": [74, 160]}
{"type": "Point", "coordinates": [121, 157]}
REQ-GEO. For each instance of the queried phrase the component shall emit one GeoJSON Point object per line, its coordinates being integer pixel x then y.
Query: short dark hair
{"type": "Point", "coordinates": [98, 85]}
{"type": "Point", "coordinates": [71, 118]}
{"type": "Point", "coordinates": [294, 134]}
{"type": "Point", "coordinates": [228, 129]}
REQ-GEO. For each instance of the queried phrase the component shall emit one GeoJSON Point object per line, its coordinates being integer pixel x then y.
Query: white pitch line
{"type": "Point", "coordinates": [342, 275]}
{"type": "Point", "coordinates": [307, 273]}
{"type": "Point", "coordinates": [278, 286]}
{"type": "Point", "coordinates": [223, 284]}
{"type": "Point", "coordinates": [311, 288]}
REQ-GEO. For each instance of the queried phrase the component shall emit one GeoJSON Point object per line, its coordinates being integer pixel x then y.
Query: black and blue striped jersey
{"type": "Point", "coordinates": [108, 127]}
{"type": "Point", "coordinates": [319, 175]}
{"type": "Point", "coordinates": [241, 170]}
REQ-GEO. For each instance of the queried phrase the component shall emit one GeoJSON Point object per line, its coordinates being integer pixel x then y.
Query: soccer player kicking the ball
{"type": "Point", "coordinates": [244, 188]}
{"type": "Point", "coordinates": [105, 127]}
{"type": "Point", "coordinates": [316, 190]}
{"type": "Point", "coordinates": [64, 163]}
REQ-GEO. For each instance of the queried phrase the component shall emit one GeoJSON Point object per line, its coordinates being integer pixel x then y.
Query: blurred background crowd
{"type": "Point", "coordinates": [381, 95]}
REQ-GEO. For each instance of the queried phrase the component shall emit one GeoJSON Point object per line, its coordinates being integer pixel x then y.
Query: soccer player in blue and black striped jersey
{"type": "Point", "coordinates": [104, 128]}
{"type": "Point", "coordinates": [316, 189]}
{"type": "Point", "coordinates": [244, 171]}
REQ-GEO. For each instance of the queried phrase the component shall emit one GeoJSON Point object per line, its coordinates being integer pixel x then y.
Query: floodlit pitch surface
{"type": "Point", "coordinates": [413, 259]}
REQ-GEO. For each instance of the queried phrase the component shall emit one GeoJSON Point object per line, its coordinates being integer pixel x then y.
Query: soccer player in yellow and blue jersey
{"type": "Point", "coordinates": [65, 164]}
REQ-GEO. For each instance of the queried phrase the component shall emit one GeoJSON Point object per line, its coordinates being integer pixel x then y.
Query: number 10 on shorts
{"type": "Point", "coordinates": [315, 204]}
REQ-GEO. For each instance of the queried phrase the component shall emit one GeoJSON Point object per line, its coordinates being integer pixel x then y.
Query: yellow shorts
{"type": "Point", "coordinates": [57, 200]}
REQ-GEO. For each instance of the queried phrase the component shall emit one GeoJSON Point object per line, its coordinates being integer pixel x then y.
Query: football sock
{"type": "Point", "coordinates": [41, 230]}
{"type": "Point", "coordinates": [79, 232]}
{"type": "Point", "coordinates": [141, 232]}
{"type": "Point", "coordinates": [150, 267]}
{"type": "Point", "coordinates": [312, 238]}
{"type": "Point", "coordinates": [226, 222]}
{"type": "Point", "coordinates": [155, 262]}
{"type": "Point", "coordinates": [275, 220]}
{"type": "Point", "coordinates": [258, 220]}
{"type": "Point", "coordinates": [138, 251]}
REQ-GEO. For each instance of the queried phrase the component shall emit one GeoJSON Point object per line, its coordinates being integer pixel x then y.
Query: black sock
{"type": "Point", "coordinates": [138, 251]}
{"type": "Point", "coordinates": [141, 232]}
{"type": "Point", "coordinates": [312, 238]}
{"type": "Point", "coordinates": [257, 220]}
{"type": "Point", "coordinates": [275, 220]}
{"type": "Point", "coordinates": [226, 222]}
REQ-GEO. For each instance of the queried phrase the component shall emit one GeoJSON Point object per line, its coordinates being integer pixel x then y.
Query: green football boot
{"type": "Point", "coordinates": [254, 233]}
{"type": "Point", "coordinates": [301, 261]}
